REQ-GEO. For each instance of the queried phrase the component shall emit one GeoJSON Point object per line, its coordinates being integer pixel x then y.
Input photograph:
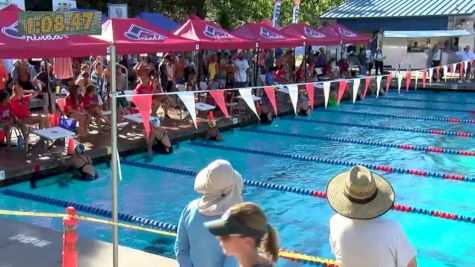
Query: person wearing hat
{"type": "Point", "coordinates": [243, 231]}
{"type": "Point", "coordinates": [220, 187]}
{"type": "Point", "coordinates": [83, 164]}
{"type": "Point", "coordinates": [358, 236]}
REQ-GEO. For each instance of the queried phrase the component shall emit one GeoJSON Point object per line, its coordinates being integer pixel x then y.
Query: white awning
{"type": "Point", "coordinates": [426, 34]}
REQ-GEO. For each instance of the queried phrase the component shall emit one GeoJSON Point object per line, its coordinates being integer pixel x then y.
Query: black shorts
{"type": "Point", "coordinates": [162, 149]}
{"type": "Point", "coordinates": [26, 85]}
{"type": "Point", "coordinates": [87, 177]}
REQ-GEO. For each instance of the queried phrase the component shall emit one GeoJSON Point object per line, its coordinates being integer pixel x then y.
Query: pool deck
{"type": "Point", "coordinates": [23, 244]}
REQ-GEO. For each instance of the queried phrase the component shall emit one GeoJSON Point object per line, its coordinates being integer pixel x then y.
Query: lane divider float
{"type": "Point", "coordinates": [388, 169]}
{"type": "Point", "coordinates": [387, 128]}
{"type": "Point", "coordinates": [413, 108]}
{"type": "Point", "coordinates": [167, 229]}
{"type": "Point", "coordinates": [428, 100]}
{"type": "Point", "coordinates": [364, 142]}
{"type": "Point", "coordinates": [398, 116]}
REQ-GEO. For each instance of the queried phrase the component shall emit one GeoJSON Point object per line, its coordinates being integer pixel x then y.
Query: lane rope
{"type": "Point", "coordinates": [427, 149]}
{"type": "Point", "coordinates": [388, 169]}
{"type": "Point", "coordinates": [397, 116]}
{"type": "Point", "coordinates": [387, 128]}
{"type": "Point", "coordinates": [413, 108]}
{"type": "Point", "coordinates": [284, 253]}
{"type": "Point", "coordinates": [427, 100]}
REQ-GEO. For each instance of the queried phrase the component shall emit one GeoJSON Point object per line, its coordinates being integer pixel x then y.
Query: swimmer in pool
{"type": "Point", "coordinates": [303, 105]}
{"type": "Point", "coordinates": [159, 142]}
{"type": "Point", "coordinates": [213, 132]}
{"type": "Point", "coordinates": [83, 164]}
{"type": "Point", "coordinates": [265, 111]}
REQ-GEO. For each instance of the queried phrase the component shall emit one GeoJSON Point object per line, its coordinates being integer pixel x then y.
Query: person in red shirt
{"type": "Point", "coordinates": [6, 117]}
{"type": "Point", "coordinates": [92, 104]}
{"type": "Point", "coordinates": [344, 69]}
{"type": "Point", "coordinates": [3, 76]}
{"type": "Point", "coordinates": [281, 75]}
{"type": "Point", "coordinates": [19, 102]}
{"type": "Point", "coordinates": [74, 109]}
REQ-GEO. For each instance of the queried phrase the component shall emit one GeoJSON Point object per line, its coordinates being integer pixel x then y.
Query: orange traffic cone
{"type": "Point", "coordinates": [70, 146]}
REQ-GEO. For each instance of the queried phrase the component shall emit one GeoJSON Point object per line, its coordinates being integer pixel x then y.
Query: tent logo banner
{"type": "Point", "coordinates": [12, 32]}
{"type": "Point", "coordinates": [346, 33]}
{"type": "Point", "coordinates": [216, 33]}
{"type": "Point", "coordinates": [313, 33]}
{"type": "Point", "coordinates": [270, 34]}
{"type": "Point", "coordinates": [137, 33]}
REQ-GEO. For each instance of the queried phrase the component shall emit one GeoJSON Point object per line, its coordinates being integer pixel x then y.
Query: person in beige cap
{"type": "Point", "coordinates": [220, 187]}
{"type": "Point", "coordinates": [358, 236]}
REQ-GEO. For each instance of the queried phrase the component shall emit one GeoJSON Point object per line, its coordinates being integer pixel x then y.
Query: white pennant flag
{"type": "Point", "coordinates": [326, 92]}
{"type": "Point", "coordinates": [188, 98]}
{"type": "Point", "coordinates": [294, 95]}
{"type": "Point", "coordinates": [356, 87]}
{"type": "Point", "coordinates": [417, 77]}
{"type": "Point", "coordinates": [465, 66]}
{"type": "Point", "coordinates": [378, 85]}
{"type": "Point", "coordinates": [431, 73]}
{"type": "Point", "coordinates": [246, 94]}
{"type": "Point", "coordinates": [444, 68]}
{"type": "Point", "coordinates": [399, 82]}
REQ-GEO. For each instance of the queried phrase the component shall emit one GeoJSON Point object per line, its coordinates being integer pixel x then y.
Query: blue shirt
{"type": "Point", "coordinates": [195, 246]}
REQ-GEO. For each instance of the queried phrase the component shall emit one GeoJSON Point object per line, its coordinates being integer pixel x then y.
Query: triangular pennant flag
{"type": "Point", "coordinates": [431, 74]}
{"type": "Point", "coordinates": [445, 72]}
{"type": "Point", "coordinates": [310, 93]}
{"type": "Point", "coordinates": [294, 95]}
{"type": "Point", "coordinates": [366, 86]}
{"type": "Point", "coordinates": [388, 82]}
{"type": "Point", "coordinates": [270, 92]}
{"type": "Point", "coordinates": [246, 94]}
{"type": "Point", "coordinates": [399, 82]}
{"type": "Point", "coordinates": [462, 70]}
{"type": "Point", "coordinates": [144, 104]}
{"type": "Point", "coordinates": [378, 84]}
{"type": "Point", "coordinates": [356, 87]}
{"type": "Point", "coordinates": [465, 64]}
{"type": "Point", "coordinates": [341, 90]}
{"type": "Point", "coordinates": [188, 98]}
{"type": "Point", "coordinates": [408, 80]}
{"type": "Point", "coordinates": [218, 97]}
{"type": "Point", "coordinates": [417, 78]}
{"type": "Point", "coordinates": [326, 92]}
{"type": "Point", "coordinates": [454, 68]}
{"type": "Point", "coordinates": [451, 67]}
{"type": "Point", "coordinates": [424, 78]}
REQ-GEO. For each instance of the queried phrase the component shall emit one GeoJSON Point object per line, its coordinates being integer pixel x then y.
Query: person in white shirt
{"type": "Point", "coordinates": [358, 236]}
{"type": "Point", "coordinates": [240, 71]}
{"type": "Point", "coordinates": [378, 61]}
{"type": "Point", "coordinates": [466, 55]}
{"type": "Point", "coordinates": [436, 58]}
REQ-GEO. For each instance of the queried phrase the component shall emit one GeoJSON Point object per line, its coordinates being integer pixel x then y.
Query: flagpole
{"type": "Point", "coordinates": [115, 153]}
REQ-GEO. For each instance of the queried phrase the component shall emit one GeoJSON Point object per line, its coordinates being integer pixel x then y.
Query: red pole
{"type": "Point", "coordinates": [70, 236]}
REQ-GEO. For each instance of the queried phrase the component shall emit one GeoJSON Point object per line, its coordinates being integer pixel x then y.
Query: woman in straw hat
{"type": "Point", "coordinates": [243, 231]}
{"type": "Point", "coordinates": [358, 236]}
{"type": "Point", "coordinates": [220, 187]}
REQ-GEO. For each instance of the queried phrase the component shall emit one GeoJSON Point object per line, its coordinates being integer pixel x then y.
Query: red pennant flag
{"type": "Point", "coordinates": [461, 70]}
{"type": "Point", "coordinates": [437, 70]}
{"type": "Point", "coordinates": [388, 82]}
{"type": "Point", "coordinates": [366, 86]}
{"type": "Point", "coordinates": [341, 90]}
{"type": "Point", "coordinates": [451, 70]}
{"type": "Point", "coordinates": [211, 115]}
{"type": "Point", "coordinates": [424, 77]}
{"type": "Point", "coordinates": [218, 97]}
{"type": "Point", "coordinates": [143, 104]}
{"type": "Point", "coordinates": [408, 80]}
{"type": "Point", "coordinates": [270, 92]}
{"type": "Point", "coordinates": [310, 93]}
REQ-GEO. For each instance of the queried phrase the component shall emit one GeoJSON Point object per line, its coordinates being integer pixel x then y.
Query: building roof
{"type": "Point", "coordinates": [356, 9]}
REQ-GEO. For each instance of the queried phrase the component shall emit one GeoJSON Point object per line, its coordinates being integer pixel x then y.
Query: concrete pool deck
{"type": "Point", "coordinates": [23, 244]}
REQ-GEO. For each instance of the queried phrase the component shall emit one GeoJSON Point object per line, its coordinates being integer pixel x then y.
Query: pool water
{"type": "Point", "coordinates": [302, 221]}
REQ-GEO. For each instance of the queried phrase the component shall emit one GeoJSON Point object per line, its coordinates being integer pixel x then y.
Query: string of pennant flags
{"type": "Point", "coordinates": [143, 102]}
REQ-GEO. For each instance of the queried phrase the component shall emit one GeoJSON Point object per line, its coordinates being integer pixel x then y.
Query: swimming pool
{"type": "Point", "coordinates": [302, 221]}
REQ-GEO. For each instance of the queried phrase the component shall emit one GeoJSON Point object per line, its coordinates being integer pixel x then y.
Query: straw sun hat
{"type": "Point", "coordinates": [360, 194]}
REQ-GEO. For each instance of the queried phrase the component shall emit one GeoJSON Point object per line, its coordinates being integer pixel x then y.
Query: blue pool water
{"type": "Point", "coordinates": [302, 221]}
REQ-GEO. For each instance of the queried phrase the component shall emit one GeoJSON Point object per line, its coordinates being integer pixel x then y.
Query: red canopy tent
{"type": "Point", "coordinates": [137, 36]}
{"type": "Point", "coordinates": [311, 35]}
{"type": "Point", "coordinates": [211, 36]}
{"type": "Point", "coordinates": [14, 45]}
{"type": "Point", "coordinates": [267, 36]}
{"type": "Point", "coordinates": [347, 36]}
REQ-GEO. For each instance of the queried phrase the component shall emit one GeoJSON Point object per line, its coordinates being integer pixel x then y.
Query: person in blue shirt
{"type": "Point", "coordinates": [220, 187]}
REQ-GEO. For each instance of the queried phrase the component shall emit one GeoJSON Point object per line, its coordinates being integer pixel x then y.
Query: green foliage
{"type": "Point", "coordinates": [228, 13]}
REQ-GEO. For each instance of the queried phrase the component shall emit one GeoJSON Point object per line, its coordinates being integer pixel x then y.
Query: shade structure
{"type": "Point", "coordinates": [159, 20]}
{"type": "Point", "coordinates": [15, 45]}
{"type": "Point", "coordinates": [347, 36]}
{"type": "Point", "coordinates": [131, 36]}
{"type": "Point", "coordinates": [311, 35]}
{"type": "Point", "coordinates": [209, 35]}
{"type": "Point", "coordinates": [267, 36]}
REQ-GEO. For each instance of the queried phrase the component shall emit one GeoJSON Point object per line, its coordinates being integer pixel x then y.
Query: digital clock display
{"type": "Point", "coordinates": [59, 23]}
